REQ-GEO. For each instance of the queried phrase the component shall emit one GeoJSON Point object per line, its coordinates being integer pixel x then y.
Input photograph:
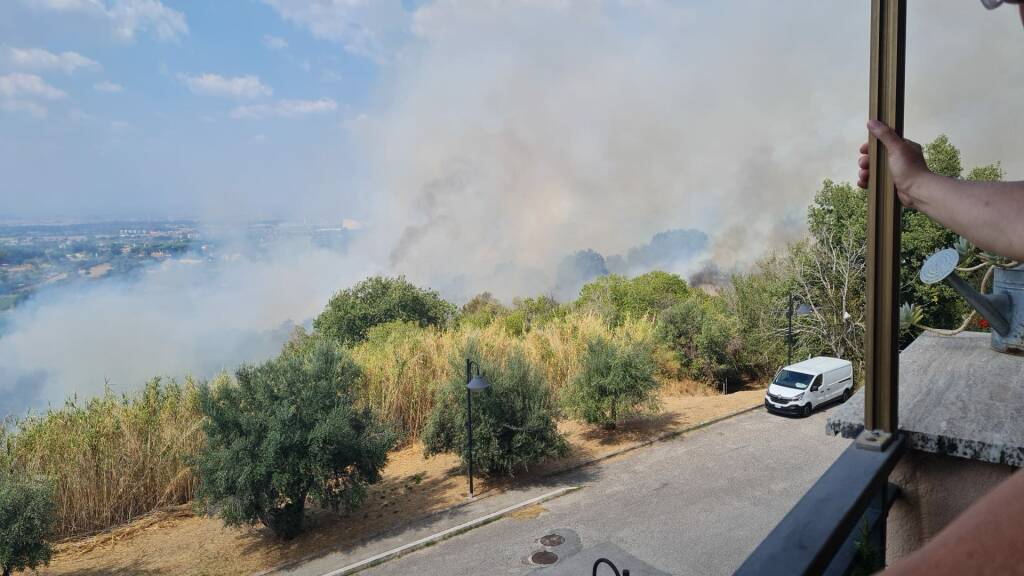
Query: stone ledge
{"type": "Point", "coordinates": [958, 397]}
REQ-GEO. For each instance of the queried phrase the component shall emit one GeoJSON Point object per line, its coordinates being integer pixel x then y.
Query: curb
{"type": "Point", "coordinates": [446, 534]}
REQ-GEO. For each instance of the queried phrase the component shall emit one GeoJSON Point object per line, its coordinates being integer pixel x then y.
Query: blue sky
{"type": "Point", "coordinates": [107, 115]}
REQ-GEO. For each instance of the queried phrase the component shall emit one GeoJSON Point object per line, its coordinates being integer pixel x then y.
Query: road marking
{"type": "Point", "coordinates": [445, 534]}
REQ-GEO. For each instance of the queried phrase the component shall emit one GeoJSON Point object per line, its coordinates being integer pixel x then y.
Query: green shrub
{"type": "Point", "coordinates": [528, 314]}
{"type": "Point", "coordinates": [616, 297]}
{"type": "Point", "coordinates": [350, 313]}
{"type": "Point", "coordinates": [481, 311]}
{"type": "Point", "coordinates": [705, 336]}
{"type": "Point", "coordinates": [514, 421]}
{"type": "Point", "coordinates": [758, 298]}
{"type": "Point", "coordinates": [27, 515]}
{"type": "Point", "coordinates": [285, 431]}
{"type": "Point", "coordinates": [617, 380]}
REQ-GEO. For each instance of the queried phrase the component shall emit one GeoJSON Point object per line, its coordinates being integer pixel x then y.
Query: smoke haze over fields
{"type": "Point", "coordinates": [518, 147]}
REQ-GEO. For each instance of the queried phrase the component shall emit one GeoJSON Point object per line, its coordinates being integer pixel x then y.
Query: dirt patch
{"type": "Point", "coordinates": [175, 541]}
{"type": "Point", "coordinates": [528, 513]}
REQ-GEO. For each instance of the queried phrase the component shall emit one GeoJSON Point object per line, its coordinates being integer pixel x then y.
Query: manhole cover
{"type": "Point", "coordinates": [552, 540]}
{"type": "Point", "coordinates": [544, 557]}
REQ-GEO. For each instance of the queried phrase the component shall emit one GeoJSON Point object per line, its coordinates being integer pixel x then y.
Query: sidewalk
{"type": "Point", "coordinates": [333, 562]}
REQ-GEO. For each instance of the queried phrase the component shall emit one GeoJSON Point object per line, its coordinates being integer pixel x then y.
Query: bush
{"type": "Point", "coordinates": [514, 421]}
{"type": "Point", "coordinates": [759, 298]}
{"type": "Point", "coordinates": [705, 337]}
{"type": "Point", "coordinates": [481, 311]}
{"type": "Point", "coordinates": [617, 380]}
{"type": "Point", "coordinates": [616, 297]}
{"type": "Point", "coordinates": [531, 313]}
{"type": "Point", "coordinates": [285, 431]}
{"type": "Point", "coordinates": [350, 313]}
{"type": "Point", "coordinates": [27, 516]}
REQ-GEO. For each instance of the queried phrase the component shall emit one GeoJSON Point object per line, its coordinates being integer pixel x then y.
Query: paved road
{"type": "Point", "coordinates": [697, 504]}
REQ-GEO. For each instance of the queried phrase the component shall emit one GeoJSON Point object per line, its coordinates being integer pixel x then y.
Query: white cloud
{"type": "Point", "coordinates": [274, 42]}
{"type": "Point", "coordinates": [128, 18]}
{"type": "Point", "coordinates": [33, 109]}
{"type": "Point", "coordinates": [20, 85]}
{"type": "Point", "coordinates": [285, 109]}
{"type": "Point", "coordinates": [21, 93]}
{"type": "Point", "coordinates": [107, 86]}
{"type": "Point", "coordinates": [69, 5]}
{"type": "Point", "coordinates": [369, 28]}
{"type": "Point", "coordinates": [39, 59]}
{"type": "Point", "coordinates": [248, 87]}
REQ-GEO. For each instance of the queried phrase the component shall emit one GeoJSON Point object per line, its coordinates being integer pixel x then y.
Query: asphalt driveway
{"type": "Point", "coordinates": [697, 504]}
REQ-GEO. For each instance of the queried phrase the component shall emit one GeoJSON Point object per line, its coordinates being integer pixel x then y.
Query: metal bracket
{"type": "Point", "coordinates": [875, 440]}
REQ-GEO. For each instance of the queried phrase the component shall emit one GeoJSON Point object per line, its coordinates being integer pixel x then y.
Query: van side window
{"type": "Point", "coordinates": [817, 382]}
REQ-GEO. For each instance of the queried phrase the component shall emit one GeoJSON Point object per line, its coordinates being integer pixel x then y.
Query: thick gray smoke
{"type": "Point", "coordinates": [518, 132]}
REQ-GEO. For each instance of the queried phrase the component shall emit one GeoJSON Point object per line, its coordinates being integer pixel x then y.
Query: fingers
{"type": "Point", "coordinates": [863, 163]}
{"type": "Point", "coordinates": [862, 178]}
{"type": "Point", "coordinates": [888, 137]}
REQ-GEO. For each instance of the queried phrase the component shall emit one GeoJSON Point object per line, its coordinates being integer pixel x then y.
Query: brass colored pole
{"type": "Point", "coordinates": [888, 47]}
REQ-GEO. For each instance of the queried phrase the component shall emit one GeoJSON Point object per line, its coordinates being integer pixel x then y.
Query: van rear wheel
{"type": "Point", "coordinates": [846, 394]}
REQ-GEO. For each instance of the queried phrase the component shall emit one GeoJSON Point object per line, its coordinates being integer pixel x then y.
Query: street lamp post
{"type": "Point", "coordinates": [801, 310]}
{"type": "Point", "coordinates": [473, 383]}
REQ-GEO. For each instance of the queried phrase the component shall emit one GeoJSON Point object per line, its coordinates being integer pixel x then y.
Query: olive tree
{"type": "Point", "coordinates": [378, 300]}
{"type": "Point", "coordinates": [27, 515]}
{"type": "Point", "coordinates": [616, 380]}
{"type": "Point", "coordinates": [514, 421]}
{"type": "Point", "coordinates": [287, 430]}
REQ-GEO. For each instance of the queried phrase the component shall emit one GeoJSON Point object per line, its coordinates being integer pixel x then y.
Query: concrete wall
{"type": "Point", "coordinates": [935, 490]}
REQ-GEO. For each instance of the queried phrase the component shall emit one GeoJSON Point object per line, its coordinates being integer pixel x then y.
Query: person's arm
{"type": "Point", "coordinates": [989, 214]}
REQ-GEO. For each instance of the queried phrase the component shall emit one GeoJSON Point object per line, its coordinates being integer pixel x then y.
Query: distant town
{"type": "Point", "coordinates": [40, 255]}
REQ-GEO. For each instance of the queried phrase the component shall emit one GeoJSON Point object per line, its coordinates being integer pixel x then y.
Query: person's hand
{"type": "Point", "coordinates": [906, 161]}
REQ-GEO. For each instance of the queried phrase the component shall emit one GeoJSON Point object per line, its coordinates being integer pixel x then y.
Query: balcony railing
{"type": "Point", "coordinates": [841, 519]}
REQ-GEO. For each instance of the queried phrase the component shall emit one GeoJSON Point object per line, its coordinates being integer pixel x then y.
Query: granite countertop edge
{"type": "Point", "coordinates": [940, 444]}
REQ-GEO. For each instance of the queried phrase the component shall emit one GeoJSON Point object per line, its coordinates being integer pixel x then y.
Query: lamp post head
{"type": "Point", "coordinates": [478, 383]}
{"type": "Point", "coordinates": [803, 309]}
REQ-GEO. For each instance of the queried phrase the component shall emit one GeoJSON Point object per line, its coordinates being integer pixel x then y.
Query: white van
{"type": "Point", "coordinates": [801, 387]}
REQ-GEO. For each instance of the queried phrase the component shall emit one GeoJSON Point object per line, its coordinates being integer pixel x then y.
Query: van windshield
{"type": "Point", "coordinates": [793, 379]}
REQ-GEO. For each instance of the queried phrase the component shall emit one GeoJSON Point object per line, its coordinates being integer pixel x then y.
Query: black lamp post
{"type": "Point", "coordinates": [473, 383]}
{"type": "Point", "coordinates": [801, 310]}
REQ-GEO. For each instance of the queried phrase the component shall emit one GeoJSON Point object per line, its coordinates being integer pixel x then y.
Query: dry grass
{"type": "Point", "coordinates": [403, 364]}
{"type": "Point", "coordinates": [113, 458]}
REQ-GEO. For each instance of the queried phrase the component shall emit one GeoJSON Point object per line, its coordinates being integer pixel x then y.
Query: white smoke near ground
{"type": "Point", "coordinates": [178, 318]}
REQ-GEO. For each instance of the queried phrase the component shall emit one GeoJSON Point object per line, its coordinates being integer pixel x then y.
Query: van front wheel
{"type": "Point", "coordinates": [807, 409]}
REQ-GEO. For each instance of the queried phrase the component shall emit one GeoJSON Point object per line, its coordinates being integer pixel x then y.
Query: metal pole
{"type": "Point", "coordinates": [888, 46]}
{"type": "Point", "coordinates": [789, 332]}
{"type": "Point", "coordinates": [469, 422]}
